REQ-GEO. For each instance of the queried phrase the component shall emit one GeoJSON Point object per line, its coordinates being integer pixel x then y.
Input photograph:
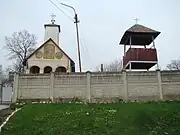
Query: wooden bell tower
{"type": "Point", "coordinates": [140, 55]}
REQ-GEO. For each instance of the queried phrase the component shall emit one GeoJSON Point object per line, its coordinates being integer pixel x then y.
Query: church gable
{"type": "Point", "coordinates": [50, 51]}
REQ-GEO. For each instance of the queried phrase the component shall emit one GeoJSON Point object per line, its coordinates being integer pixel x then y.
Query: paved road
{"type": "Point", "coordinates": [3, 107]}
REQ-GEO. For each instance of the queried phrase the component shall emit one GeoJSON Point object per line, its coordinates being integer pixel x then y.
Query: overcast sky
{"type": "Point", "coordinates": [102, 24]}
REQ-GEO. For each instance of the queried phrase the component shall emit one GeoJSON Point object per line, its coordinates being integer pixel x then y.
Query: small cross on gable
{"type": "Point", "coordinates": [136, 19]}
{"type": "Point", "coordinates": [53, 18]}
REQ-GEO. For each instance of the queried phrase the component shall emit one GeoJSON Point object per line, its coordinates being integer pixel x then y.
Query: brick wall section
{"type": "Point", "coordinates": [98, 87]}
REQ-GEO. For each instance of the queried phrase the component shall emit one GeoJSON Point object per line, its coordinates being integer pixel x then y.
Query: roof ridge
{"type": "Point", "coordinates": [140, 28]}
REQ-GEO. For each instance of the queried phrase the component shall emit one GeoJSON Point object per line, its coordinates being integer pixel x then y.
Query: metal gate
{"type": "Point", "coordinates": [6, 94]}
{"type": "Point", "coordinates": [6, 89]}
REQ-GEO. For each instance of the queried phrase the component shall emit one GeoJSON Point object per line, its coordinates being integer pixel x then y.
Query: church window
{"type": "Point", "coordinates": [47, 69]}
{"type": "Point", "coordinates": [34, 70]}
{"type": "Point", "coordinates": [61, 69]}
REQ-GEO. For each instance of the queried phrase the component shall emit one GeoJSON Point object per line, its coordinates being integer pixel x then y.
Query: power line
{"type": "Point", "coordinates": [85, 52]}
{"type": "Point", "coordinates": [83, 43]}
{"type": "Point", "coordinates": [84, 47]}
{"type": "Point", "coordinates": [61, 10]}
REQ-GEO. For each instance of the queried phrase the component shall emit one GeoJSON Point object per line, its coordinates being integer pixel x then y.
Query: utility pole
{"type": "Point", "coordinates": [77, 33]}
{"type": "Point", "coordinates": [102, 68]}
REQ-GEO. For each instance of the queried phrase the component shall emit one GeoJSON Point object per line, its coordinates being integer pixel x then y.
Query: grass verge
{"type": "Point", "coordinates": [161, 118]}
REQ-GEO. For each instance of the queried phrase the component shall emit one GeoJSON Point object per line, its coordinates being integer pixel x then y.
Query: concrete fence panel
{"type": "Point", "coordinates": [142, 85]}
{"type": "Point", "coordinates": [101, 86]}
{"type": "Point", "coordinates": [70, 85]}
{"type": "Point", "coordinates": [34, 87]}
{"type": "Point", "coordinates": [107, 85]}
{"type": "Point", "coordinates": [171, 84]}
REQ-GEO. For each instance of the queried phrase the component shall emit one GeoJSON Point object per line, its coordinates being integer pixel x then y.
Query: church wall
{"type": "Point", "coordinates": [54, 62]}
{"type": "Point", "coordinates": [99, 87]}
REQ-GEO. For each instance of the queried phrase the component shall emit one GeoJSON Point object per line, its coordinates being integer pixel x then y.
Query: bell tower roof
{"type": "Point", "coordinates": [140, 35]}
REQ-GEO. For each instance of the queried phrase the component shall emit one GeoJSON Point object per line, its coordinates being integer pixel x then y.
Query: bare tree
{"type": "Point", "coordinates": [18, 46]}
{"type": "Point", "coordinates": [174, 65]}
{"type": "Point", "coordinates": [114, 66]}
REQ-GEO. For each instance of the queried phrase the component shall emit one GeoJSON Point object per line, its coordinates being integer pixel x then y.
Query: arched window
{"type": "Point", "coordinates": [48, 69]}
{"type": "Point", "coordinates": [61, 69]}
{"type": "Point", "coordinates": [34, 70]}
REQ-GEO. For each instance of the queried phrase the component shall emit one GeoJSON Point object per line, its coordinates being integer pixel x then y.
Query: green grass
{"type": "Point", "coordinates": [96, 119]}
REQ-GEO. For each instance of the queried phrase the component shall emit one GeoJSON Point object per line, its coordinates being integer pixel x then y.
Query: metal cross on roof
{"type": "Point", "coordinates": [136, 19]}
{"type": "Point", "coordinates": [53, 18]}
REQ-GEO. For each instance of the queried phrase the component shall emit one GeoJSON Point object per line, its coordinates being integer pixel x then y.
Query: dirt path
{"type": "Point", "coordinates": [3, 107]}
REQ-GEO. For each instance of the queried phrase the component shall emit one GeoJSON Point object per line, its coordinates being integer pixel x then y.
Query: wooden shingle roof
{"type": "Point", "coordinates": [140, 28]}
{"type": "Point", "coordinates": [140, 35]}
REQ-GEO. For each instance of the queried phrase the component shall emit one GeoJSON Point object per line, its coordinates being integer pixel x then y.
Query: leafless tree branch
{"type": "Point", "coordinates": [18, 46]}
{"type": "Point", "coordinates": [174, 65]}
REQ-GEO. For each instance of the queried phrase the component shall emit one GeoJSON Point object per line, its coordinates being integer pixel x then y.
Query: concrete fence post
{"type": "Point", "coordinates": [51, 90]}
{"type": "Point", "coordinates": [15, 88]}
{"type": "Point", "coordinates": [160, 84]}
{"type": "Point", "coordinates": [125, 85]}
{"type": "Point", "coordinates": [88, 75]}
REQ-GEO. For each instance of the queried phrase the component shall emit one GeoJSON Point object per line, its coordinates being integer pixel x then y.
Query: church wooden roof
{"type": "Point", "coordinates": [140, 35]}
{"type": "Point", "coordinates": [24, 63]}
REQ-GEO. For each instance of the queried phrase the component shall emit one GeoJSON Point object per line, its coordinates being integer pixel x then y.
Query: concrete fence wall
{"type": "Point", "coordinates": [94, 87]}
